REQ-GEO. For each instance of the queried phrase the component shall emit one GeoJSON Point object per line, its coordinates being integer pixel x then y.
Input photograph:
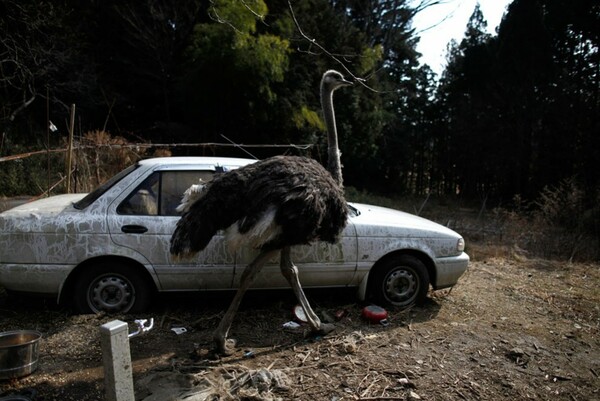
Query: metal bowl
{"type": "Point", "coordinates": [18, 353]}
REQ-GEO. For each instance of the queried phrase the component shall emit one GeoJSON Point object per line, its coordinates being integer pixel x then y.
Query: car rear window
{"type": "Point", "coordinates": [96, 193]}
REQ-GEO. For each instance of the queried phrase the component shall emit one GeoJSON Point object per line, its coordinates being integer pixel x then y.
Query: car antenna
{"type": "Point", "coordinates": [239, 146]}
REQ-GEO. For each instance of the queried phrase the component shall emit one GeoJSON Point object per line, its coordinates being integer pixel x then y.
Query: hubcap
{"type": "Point", "coordinates": [111, 294]}
{"type": "Point", "coordinates": [401, 286]}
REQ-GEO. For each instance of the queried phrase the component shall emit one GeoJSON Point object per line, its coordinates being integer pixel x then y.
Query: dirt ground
{"type": "Point", "coordinates": [512, 329]}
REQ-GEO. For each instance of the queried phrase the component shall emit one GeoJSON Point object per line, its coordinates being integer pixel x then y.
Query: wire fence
{"type": "Point", "coordinates": [93, 159]}
{"type": "Point", "coordinates": [156, 145]}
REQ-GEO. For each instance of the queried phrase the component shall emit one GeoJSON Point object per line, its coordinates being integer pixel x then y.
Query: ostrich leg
{"type": "Point", "coordinates": [225, 346]}
{"type": "Point", "coordinates": [290, 272]}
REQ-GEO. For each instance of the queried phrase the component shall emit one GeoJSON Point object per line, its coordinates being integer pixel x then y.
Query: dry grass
{"type": "Point", "coordinates": [544, 230]}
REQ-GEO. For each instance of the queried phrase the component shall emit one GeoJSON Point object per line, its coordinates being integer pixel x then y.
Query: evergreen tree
{"type": "Point", "coordinates": [518, 107]}
{"type": "Point", "coordinates": [464, 102]}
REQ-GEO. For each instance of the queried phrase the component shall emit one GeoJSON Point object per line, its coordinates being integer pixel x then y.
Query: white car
{"type": "Point", "coordinates": [109, 250]}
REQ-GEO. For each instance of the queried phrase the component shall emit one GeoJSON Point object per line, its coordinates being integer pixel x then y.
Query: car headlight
{"type": "Point", "coordinates": [460, 245]}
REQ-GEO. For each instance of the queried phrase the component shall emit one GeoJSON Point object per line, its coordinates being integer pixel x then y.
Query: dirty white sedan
{"type": "Point", "coordinates": [109, 250]}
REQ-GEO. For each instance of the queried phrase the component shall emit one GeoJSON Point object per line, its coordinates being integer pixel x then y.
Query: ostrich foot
{"type": "Point", "coordinates": [323, 330]}
{"type": "Point", "coordinates": [225, 346]}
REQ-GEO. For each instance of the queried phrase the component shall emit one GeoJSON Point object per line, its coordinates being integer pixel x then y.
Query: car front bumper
{"type": "Point", "coordinates": [449, 270]}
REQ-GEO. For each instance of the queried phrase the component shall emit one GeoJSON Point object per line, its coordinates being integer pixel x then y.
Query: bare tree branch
{"type": "Point", "coordinates": [217, 18]}
{"type": "Point", "coordinates": [424, 4]}
{"type": "Point", "coordinates": [314, 42]}
{"type": "Point", "coordinates": [23, 106]}
{"type": "Point", "coordinates": [258, 16]}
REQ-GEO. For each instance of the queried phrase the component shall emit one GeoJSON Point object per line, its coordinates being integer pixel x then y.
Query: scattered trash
{"type": "Point", "coordinates": [299, 314]}
{"type": "Point", "coordinates": [291, 325]}
{"type": "Point", "coordinates": [143, 326]}
{"type": "Point", "coordinates": [249, 354]}
{"type": "Point", "coordinates": [179, 330]}
{"type": "Point", "coordinates": [339, 315]}
{"type": "Point", "coordinates": [375, 314]}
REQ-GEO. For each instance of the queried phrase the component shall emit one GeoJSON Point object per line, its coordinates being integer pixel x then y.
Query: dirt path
{"type": "Point", "coordinates": [512, 329]}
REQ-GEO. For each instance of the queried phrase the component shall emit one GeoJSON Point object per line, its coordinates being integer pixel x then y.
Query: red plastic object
{"type": "Point", "coordinates": [374, 314]}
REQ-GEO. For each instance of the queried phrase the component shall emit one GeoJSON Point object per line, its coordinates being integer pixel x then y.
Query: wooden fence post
{"type": "Point", "coordinates": [70, 148]}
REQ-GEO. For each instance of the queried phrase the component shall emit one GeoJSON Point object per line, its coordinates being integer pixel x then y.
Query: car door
{"type": "Point", "coordinates": [144, 219]}
{"type": "Point", "coordinates": [319, 265]}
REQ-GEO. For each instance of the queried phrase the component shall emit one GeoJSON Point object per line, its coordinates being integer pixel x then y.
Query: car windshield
{"type": "Point", "coordinates": [96, 193]}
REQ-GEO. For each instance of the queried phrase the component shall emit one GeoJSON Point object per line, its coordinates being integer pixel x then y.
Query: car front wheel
{"type": "Point", "coordinates": [111, 288]}
{"type": "Point", "coordinates": [400, 281]}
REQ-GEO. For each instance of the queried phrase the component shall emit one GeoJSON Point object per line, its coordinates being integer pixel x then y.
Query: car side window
{"type": "Point", "coordinates": [144, 200]}
{"type": "Point", "coordinates": [174, 184]}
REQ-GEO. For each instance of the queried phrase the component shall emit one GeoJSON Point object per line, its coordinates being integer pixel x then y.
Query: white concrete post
{"type": "Point", "coordinates": [118, 378]}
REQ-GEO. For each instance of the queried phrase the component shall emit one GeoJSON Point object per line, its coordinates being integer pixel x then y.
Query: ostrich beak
{"type": "Point", "coordinates": [345, 82]}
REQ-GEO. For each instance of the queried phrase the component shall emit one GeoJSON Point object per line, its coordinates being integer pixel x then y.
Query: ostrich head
{"type": "Point", "coordinates": [331, 81]}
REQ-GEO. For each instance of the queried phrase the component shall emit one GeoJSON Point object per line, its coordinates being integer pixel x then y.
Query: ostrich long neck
{"type": "Point", "coordinates": [334, 165]}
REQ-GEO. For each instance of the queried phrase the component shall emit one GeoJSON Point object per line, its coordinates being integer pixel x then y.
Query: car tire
{"type": "Point", "coordinates": [400, 281]}
{"type": "Point", "coordinates": [111, 288]}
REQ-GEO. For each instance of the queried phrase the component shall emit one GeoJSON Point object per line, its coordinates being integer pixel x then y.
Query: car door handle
{"type": "Point", "coordinates": [134, 229]}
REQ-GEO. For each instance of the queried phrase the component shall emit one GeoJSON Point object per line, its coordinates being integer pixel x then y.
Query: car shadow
{"type": "Point", "coordinates": [339, 301]}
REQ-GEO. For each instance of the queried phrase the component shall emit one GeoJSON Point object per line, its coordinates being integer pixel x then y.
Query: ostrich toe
{"type": "Point", "coordinates": [225, 346]}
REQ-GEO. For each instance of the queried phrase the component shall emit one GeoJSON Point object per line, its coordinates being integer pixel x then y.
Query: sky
{"type": "Point", "coordinates": [451, 19]}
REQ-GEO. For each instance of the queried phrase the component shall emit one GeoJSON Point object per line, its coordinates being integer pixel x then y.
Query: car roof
{"type": "Point", "coordinates": [192, 160]}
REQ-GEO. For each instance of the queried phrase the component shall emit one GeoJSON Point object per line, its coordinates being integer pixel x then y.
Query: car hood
{"type": "Point", "coordinates": [380, 221]}
{"type": "Point", "coordinates": [34, 216]}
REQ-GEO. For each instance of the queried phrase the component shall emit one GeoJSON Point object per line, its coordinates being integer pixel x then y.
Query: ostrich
{"type": "Point", "coordinates": [269, 205]}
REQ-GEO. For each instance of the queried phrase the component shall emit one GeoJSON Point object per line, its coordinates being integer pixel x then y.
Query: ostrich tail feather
{"type": "Point", "coordinates": [190, 196]}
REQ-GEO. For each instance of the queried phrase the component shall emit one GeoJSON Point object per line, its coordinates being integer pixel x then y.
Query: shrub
{"type": "Point", "coordinates": [567, 223]}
